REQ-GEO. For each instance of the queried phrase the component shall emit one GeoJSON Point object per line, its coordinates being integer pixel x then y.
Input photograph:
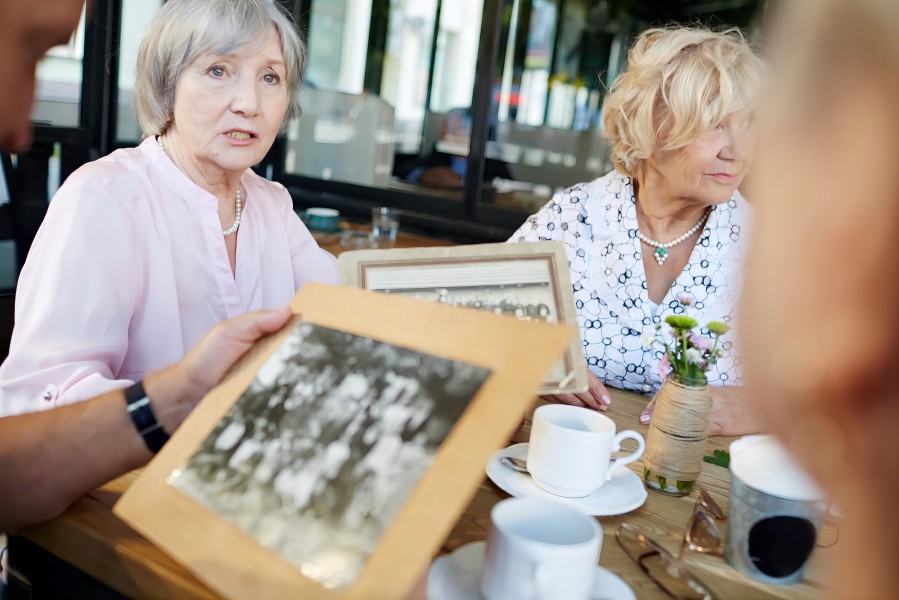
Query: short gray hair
{"type": "Point", "coordinates": [185, 29]}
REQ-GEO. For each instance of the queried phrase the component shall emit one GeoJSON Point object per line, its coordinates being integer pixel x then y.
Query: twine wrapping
{"type": "Point", "coordinates": [678, 431]}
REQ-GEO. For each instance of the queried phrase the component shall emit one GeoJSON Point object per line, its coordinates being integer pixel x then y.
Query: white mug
{"type": "Point", "coordinates": [539, 549]}
{"type": "Point", "coordinates": [570, 449]}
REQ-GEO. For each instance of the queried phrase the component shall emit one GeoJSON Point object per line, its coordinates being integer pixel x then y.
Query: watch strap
{"type": "Point", "coordinates": [144, 417]}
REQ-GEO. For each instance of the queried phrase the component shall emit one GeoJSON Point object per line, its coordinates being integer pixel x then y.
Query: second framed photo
{"type": "Point", "coordinates": [529, 281]}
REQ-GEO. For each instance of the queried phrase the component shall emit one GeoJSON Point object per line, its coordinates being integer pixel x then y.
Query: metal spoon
{"type": "Point", "coordinates": [516, 464]}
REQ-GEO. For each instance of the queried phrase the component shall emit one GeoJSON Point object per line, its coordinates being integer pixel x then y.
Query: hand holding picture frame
{"type": "Point", "coordinates": [303, 441]}
{"type": "Point", "coordinates": [527, 280]}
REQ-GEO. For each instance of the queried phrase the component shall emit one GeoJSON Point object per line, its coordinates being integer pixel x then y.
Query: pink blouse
{"type": "Point", "coordinates": [129, 270]}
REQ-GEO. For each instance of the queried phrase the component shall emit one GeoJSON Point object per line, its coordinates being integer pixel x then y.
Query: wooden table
{"type": "Point", "coordinates": [334, 242]}
{"type": "Point", "coordinates": [92, 539]}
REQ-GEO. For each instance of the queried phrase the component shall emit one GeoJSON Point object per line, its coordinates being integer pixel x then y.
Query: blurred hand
{"type": "Point", "coordinates": [819, 302]}
{"type": "Point", "coordinates": [596, 397]}
{"type": "Point", "coordinates": [442, 177]}
{"type": "Point", "coordinates": [730, 412]}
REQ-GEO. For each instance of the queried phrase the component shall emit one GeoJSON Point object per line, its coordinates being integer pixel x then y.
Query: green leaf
{"type": "Point", "coordinates": [662, 481]}
{"type": "Point", "coordinates": [719, 457]}
{"type": "Point", "coordinates": [685, 486]}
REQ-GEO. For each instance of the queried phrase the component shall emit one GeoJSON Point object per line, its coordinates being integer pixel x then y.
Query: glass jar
{"type": "Point", "coordinates": [677, 436]}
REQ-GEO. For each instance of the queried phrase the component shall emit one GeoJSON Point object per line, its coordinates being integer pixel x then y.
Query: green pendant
{"type": "Point", "coordinates": [660, 255]}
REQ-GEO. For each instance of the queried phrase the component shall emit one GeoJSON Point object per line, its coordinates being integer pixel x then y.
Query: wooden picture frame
{"type": "Point", "coordinates": [501, 272]}
{"type": "Point", "coordinates": [233, 563]}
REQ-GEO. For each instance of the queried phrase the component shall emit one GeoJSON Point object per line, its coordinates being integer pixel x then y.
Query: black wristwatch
{"type": "Point", "coordinates": [143, 414]}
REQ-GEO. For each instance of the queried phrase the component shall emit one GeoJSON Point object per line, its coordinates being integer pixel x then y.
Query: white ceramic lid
{"type": "Point", "coordinates": [762, 463]}
{"type": "Point", "coordinates": [322, 212]}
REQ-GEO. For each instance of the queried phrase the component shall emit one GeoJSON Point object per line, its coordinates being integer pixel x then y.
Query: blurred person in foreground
{"type": "Point", "coordinates": [669, 221]}
{"type": "Point", "coordinates": [821, 304]}
{"type": "Point", "coordinates": [159, 243]}
{"type": "Point", "coordinates": [50, 459]}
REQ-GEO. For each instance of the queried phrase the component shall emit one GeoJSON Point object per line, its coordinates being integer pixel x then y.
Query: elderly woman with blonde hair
{"type": "Point", "coordinates": [669, 221]}
{"type": "Point", "coordinates": [143, 251]}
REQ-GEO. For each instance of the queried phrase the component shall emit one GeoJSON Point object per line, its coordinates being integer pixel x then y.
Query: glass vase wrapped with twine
{"type": "Point", "coordinates": [677, 436]}
{"type": "Point", "coordinates": [681, 417]}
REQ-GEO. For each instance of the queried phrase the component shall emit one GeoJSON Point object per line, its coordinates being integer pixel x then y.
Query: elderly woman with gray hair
{"type": "Point", "coordinates": [159, 243]}
{"type": "Point", "coordinates": [669, 221]}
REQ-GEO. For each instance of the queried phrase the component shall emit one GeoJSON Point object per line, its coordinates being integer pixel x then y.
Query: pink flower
{"type": "Point", "coordinates": [702, 343]}
{"type": "Point", "coordinates": [685, 299]}
{"type": "Point", "coordinates": [665, 367]}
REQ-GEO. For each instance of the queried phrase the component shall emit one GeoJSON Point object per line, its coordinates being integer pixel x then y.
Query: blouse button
{"type": "Point", "coordinates": [647, 387]}
{"type": "Point", "coordinates": [51, 393]}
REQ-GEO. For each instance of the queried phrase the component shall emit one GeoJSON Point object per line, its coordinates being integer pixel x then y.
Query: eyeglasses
{"type": "Point", "coordinates": [702, 534]}
{"type": "Point", "coordinates": [659, 565]}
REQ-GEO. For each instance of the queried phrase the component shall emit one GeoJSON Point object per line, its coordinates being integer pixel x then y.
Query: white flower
{"type": "Point", "coordinates": [694, 356]}
{"type": "Point", "coordinates": [647, 338]}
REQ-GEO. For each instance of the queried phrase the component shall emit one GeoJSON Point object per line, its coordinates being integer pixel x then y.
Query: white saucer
{"type": "Point", "coordinates": [623, 493]}
{"type": "Point", "coordinates": [457, 576]}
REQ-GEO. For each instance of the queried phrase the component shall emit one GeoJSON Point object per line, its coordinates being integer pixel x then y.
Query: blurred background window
{"type": "Point", "coordinates": [136, 17]}
{"type": "Point", "coordinates": [383, 76]}
{"type": "Point", "coordinates": [467, 114]}
{"type": "Point", "coordinates": [545, 117]}
{"type": "Point", "coordinates": [392, 83]}
{"type": "Point", "coordinates": [57, 94]}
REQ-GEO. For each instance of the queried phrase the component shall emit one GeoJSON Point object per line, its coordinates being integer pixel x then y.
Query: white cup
{"type": "Point", "coordinates": [570, 450]}
{"type": "Point", "coordinates": [539, 549]}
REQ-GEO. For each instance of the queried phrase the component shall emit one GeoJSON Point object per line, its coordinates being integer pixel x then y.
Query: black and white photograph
{"type": "Point", "coordinates": [323, 449]}
{"type": "Point", "coordinates": [530, 301]}
{"type": "Point", "coordinates": [527, 281]}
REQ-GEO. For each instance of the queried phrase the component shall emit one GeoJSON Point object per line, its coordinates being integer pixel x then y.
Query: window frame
{"type": "Point", "coordinates": [469, 219]}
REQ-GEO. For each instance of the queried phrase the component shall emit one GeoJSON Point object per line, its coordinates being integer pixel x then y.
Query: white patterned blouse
{"type": "Point", "coordinates": [597, 222]}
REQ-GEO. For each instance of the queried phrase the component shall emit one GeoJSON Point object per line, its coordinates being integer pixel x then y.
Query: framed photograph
{"type": "Point", "coordinates": [310, 471]}
{"type": "Point", "coordinates": [529, 281]}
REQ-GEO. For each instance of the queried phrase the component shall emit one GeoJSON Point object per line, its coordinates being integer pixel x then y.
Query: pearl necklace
{"type": "Point", "coordinates": [237, 202]}
{"type": "Point", "coordinates": [661, 250]}
{"type": "Point", "coordinates": [237, 209]}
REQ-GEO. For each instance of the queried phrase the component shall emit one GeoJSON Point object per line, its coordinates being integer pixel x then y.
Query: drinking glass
{"type": "Point", "coordinates": [385, 222]}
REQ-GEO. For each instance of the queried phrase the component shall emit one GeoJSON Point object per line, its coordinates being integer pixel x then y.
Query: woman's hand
{"type": "Point", "coordinates": [730, 412]}
{"type": "Point", "coordinates": [596, 397]}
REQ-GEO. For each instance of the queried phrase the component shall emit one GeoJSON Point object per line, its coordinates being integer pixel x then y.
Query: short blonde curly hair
{"type": "Point", "coordinates": [679, 83]}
